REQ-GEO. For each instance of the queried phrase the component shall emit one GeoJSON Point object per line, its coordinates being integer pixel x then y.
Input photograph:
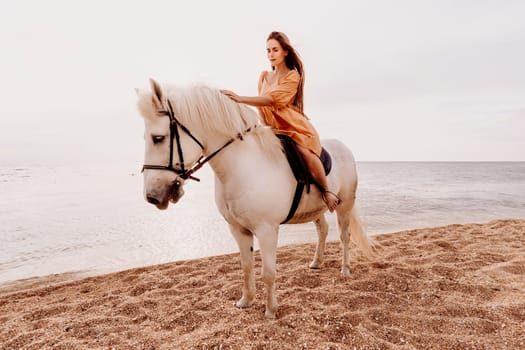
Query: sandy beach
{"type": "Point", "coordinates": [452, 287]}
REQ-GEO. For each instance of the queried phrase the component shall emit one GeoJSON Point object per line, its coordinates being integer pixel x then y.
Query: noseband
{"type": "Point", "coordinates": [174, 134]}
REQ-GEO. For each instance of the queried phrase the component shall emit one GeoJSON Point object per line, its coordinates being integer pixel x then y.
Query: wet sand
{"type": "Point", "coordinates": [452, 287]}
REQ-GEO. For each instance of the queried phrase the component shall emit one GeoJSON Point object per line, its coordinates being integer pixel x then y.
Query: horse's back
{"type": "Point", "coordinates": [342, 158]}
{"type": "Point", "coordinates": [337, 149]}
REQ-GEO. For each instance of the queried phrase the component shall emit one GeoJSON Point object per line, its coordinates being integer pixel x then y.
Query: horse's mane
{"type": "Point", "coordinates": [210, 110]}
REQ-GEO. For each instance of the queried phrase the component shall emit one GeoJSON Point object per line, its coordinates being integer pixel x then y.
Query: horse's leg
{"type": "Point", "coordinates": [267, 237]}
{"type": "Point", "coordinates": [322, 231]}
{"type": "Point", "coordinates": [244, 240]}
{"type": "Point", "coordinates": [343, 222]}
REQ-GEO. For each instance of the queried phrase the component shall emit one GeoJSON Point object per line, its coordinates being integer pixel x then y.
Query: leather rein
{"type": "Point", "coordinates": [184, 173]}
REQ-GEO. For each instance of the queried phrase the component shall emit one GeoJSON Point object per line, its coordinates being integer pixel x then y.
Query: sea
{"type": "Point", "coordinates": [93, 219]}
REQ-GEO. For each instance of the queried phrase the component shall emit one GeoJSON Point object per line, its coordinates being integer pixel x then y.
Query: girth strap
{"type": "Point", "coordinates": [295, 203]}
{"type": "Point", "coordinates": [300, 171]}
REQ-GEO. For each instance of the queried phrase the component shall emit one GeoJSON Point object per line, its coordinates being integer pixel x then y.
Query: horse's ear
{"type": "Point", "coordinates": [137, 91]}
{"type": "Point", "coordinates": [157, 93]}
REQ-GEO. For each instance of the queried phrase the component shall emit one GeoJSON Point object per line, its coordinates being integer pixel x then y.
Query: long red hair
{"type": "Point", "coordinates": [293, 61]}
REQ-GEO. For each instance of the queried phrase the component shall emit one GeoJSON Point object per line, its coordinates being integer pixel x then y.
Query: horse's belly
{"type": "Point", "coordinates": [308, 211]}
{"type": "Point", "coordinates": [304, 219]}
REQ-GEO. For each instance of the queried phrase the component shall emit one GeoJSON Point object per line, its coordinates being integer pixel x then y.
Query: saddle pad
{"type": "Point", "coordinates": [326, 159]}
{"type": "Point", "coordinates": [299, 168]}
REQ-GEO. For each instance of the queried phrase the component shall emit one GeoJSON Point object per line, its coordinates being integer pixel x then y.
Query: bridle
{"type": "Point", "coordinates": [174, 134]}
{"type": "Point", "coordinates": [184, 173]}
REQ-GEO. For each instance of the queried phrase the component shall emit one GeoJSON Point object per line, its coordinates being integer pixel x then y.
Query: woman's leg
{"type": "Point", "coordinates": [317, 170]}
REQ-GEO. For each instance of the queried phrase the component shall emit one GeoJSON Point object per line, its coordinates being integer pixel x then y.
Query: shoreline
{"type": "Point", "coordinates": [441, 287]}
{"type": "Point", "coordinates": [52, 279]}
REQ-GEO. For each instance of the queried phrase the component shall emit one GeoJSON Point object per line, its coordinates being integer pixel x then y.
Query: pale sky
{"type": "Point", "coordinates": [395, 80]}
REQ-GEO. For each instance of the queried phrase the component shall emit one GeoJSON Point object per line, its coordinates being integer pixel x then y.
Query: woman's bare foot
{"type": "Point", "coordinates": [331, 200]}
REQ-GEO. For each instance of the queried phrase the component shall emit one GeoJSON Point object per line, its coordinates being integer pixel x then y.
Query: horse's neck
{"type": "Point", "coordinates": [242, 159]}
{"type": "Point", "coordinates": [253, 185]}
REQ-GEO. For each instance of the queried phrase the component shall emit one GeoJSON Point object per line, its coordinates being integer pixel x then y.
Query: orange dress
{"type": "Point", "coordinates": [285, 118]}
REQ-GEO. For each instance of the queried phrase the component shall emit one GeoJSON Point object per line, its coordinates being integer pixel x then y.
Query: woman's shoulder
{"type": "Point", "coordinates": [291, 75]}
{"type": "Point", "coordinates": [263, 75]}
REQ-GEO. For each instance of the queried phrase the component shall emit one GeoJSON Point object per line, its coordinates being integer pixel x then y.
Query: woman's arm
{"type": "Point", "coordinates": [256, 101]}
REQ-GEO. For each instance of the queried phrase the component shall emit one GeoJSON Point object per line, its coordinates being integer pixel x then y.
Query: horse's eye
{"type": "Point", "coordinates": [157, 139]}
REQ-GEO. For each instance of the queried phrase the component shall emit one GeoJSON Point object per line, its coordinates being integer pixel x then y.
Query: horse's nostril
{"type": "Point", "coordinates": [152, 200]}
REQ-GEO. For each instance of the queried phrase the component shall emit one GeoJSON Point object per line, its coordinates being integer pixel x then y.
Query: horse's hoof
{"type": "Point", "coordinates": [270, 315]}
{"type": "Point", "coordinates": [243, 303]}
{"type": "Point", "coordinates": [314, 265]}
{"type": "Point", "coordinates": [345, 271]}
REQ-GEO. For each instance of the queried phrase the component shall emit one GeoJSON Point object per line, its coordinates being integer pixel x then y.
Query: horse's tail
{"type": "Point", "coordinates": [364, 243]}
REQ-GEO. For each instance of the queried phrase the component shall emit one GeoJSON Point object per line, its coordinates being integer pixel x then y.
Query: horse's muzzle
{"type": "Point", "coordinates": [159, 202]}
{"type": "Point", "coordinates": [152, 200]}
{"type": "Point", "coordinates": [161, 199]}
{"type": "Point", "coordinates": [176, 192]}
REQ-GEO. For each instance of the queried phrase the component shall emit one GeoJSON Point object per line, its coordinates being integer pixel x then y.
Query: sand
{"type": "Point", "coordinates": [453, 287]}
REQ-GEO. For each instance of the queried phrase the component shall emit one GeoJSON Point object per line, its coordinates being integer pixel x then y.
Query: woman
{"type": "Point", "coordinates": [280, 103]}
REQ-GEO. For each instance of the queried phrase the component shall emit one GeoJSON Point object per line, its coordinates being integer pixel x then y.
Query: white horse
{"type": "Point", "coordinates": [254, 184]}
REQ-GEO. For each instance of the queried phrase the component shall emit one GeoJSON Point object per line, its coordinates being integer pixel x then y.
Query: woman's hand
{"type": "Point", "coordinates": [256, 101]}
{"type": "Point", "coordinates": [231, 95]}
